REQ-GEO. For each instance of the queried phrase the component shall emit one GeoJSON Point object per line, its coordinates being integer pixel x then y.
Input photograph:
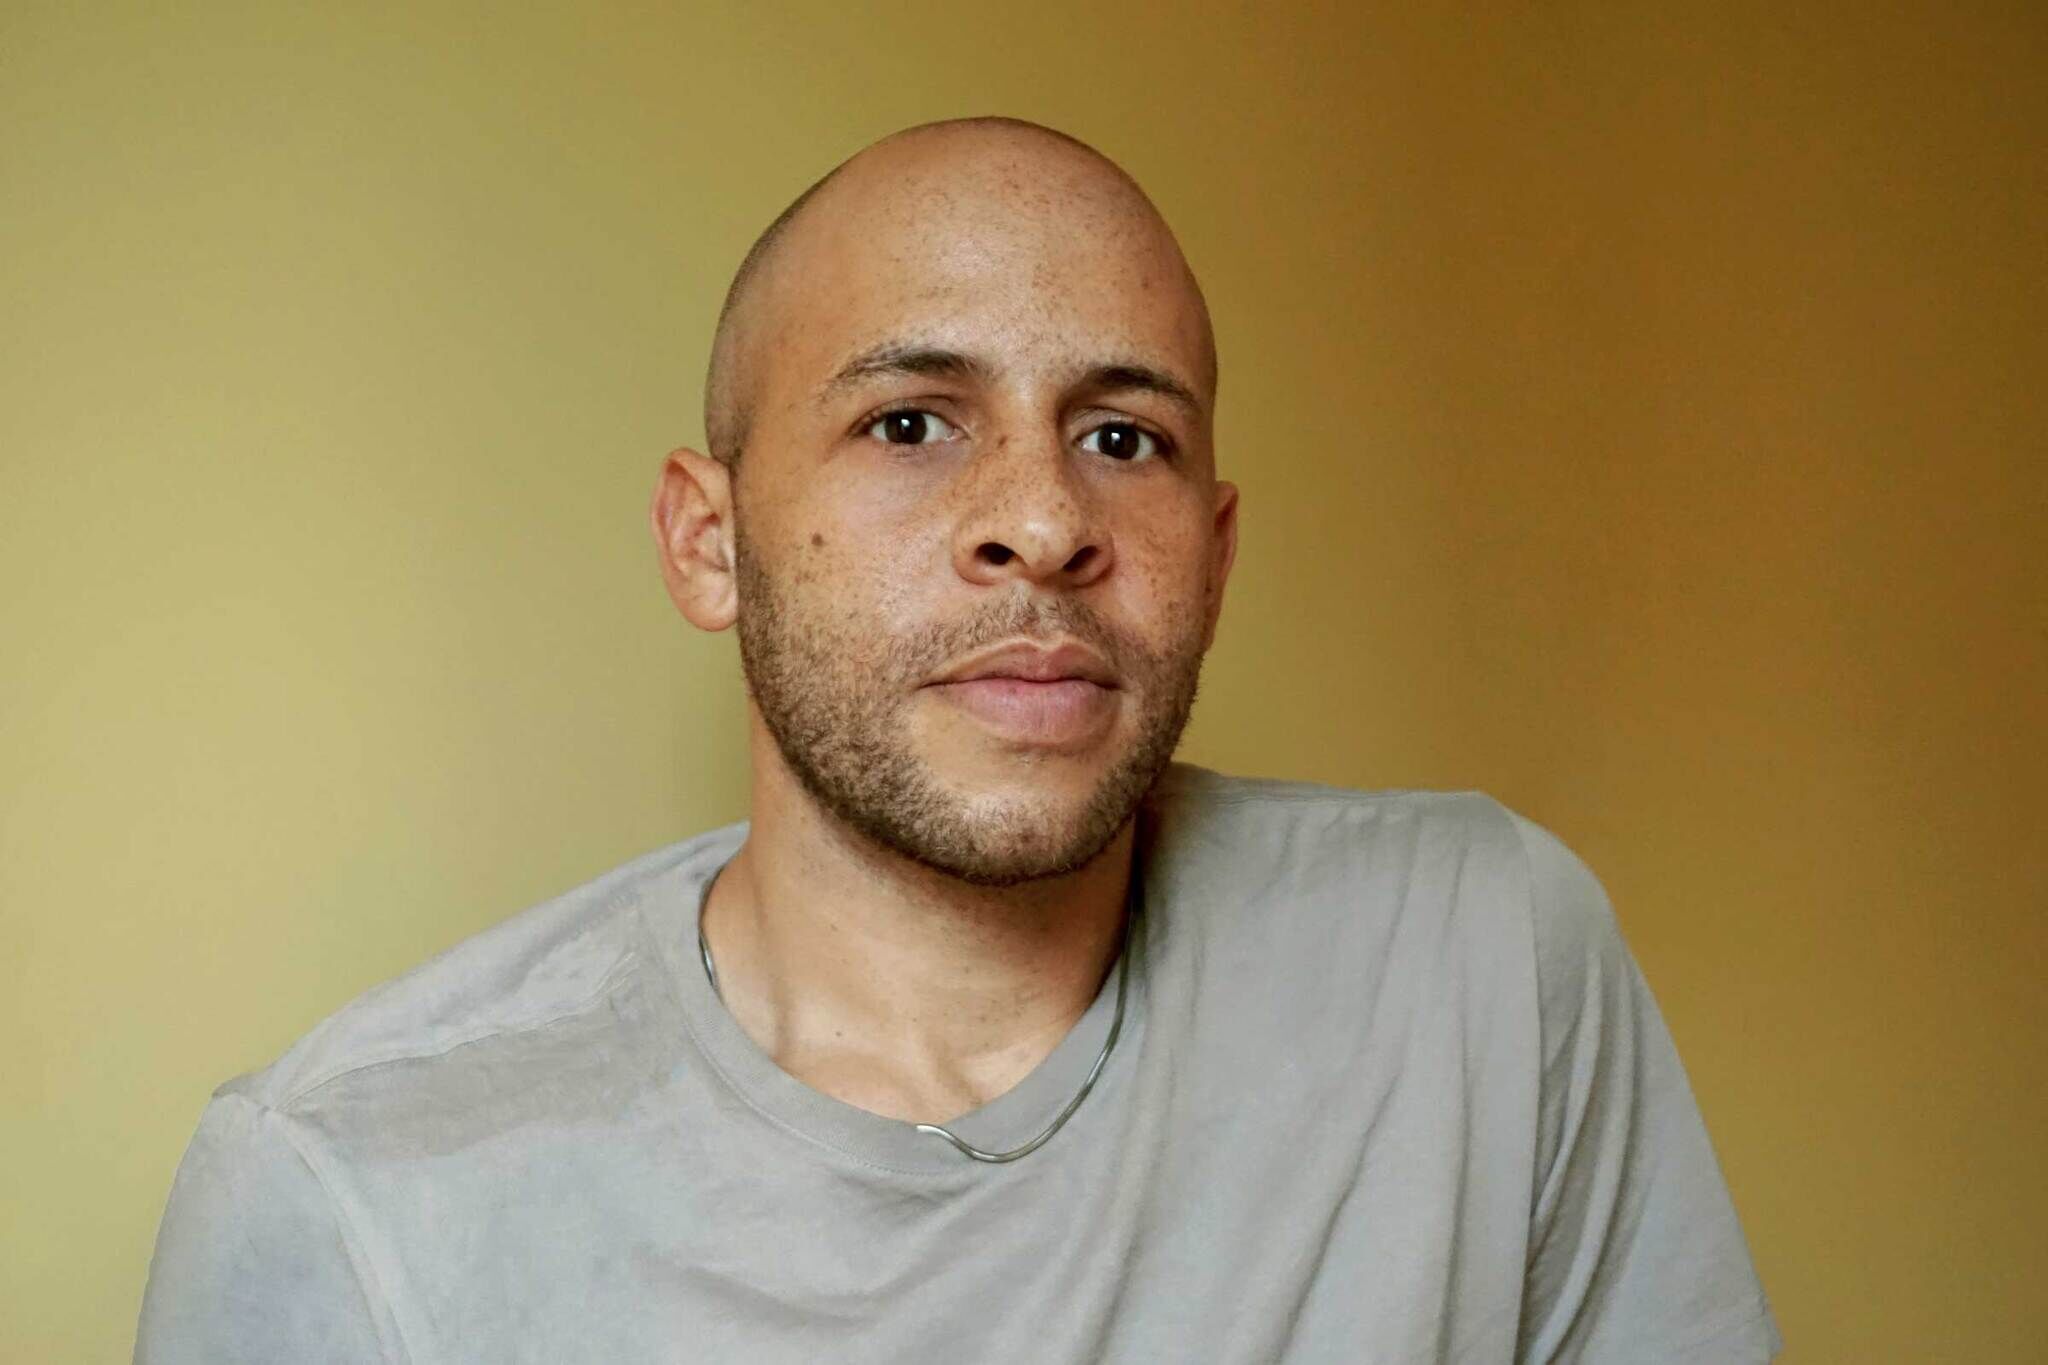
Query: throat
{"type": "Point", "coordinates": [928, 1089]}
{"type": "Point", "coordinates": [904, 1007]}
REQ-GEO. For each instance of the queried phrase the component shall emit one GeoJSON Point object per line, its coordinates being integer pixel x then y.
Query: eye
{"type": "Point", "coordinates": [911, 427]}
{"type": "Point", "coordinates": [1121, 441]}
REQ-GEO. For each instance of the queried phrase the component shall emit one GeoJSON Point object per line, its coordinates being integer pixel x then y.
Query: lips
{"type": "Point", "coordinates": [1027, 661]}
{"type": "Point", "coordinates": [1061, 713]}
{"type": "Point", "coordinates": [1061, 696]}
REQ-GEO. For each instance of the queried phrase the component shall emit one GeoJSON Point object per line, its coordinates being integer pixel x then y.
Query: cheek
{"type": "Point", "coordinates": [887, 541]}
{"type": "Point", "coordinates": [859, 571]}
{"type": "Point", "coordinates": [1165, 567]}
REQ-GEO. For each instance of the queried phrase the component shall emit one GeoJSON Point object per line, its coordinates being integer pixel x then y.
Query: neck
{"type": "Point", "coordinates": [892, 986]}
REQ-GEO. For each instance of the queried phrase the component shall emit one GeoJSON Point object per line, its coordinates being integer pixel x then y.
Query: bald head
{"type": "Point", "coordinates": [942, 189]}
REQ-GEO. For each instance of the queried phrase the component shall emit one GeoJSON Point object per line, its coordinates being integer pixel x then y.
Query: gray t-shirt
{"type": "Point", "coordinates": [1389, 1087]}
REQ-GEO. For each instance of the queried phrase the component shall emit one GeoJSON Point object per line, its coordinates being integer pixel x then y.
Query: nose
{"type": "Point", "coordinates": [1026, 516]}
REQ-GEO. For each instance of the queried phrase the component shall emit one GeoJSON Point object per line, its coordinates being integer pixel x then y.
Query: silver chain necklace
{"type": "Point", "coordinates": [1116, 1025]}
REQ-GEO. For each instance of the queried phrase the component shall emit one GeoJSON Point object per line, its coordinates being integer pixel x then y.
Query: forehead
{"type": "Point", "coordinates": [1038, 261]}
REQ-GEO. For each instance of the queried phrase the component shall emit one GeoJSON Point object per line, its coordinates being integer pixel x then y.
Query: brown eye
{"type": "Point", "coordinates": [1121, 441]}
{"type": "Point", "coordinates": [911, 427]}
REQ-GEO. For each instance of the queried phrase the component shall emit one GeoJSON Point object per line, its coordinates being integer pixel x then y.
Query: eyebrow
{"type": "Point", "coordinates": [905, 358]}
{"type": "Point", "coordinates": [897, 358]}
{"type": "Point", "coordinates": [1126, 376]}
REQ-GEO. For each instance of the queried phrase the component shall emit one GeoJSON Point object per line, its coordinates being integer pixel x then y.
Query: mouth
{"type": "Point", "coordinates": [1057, 695]}
{"type": "Point", "coordinates": [1029, 661]}
{"type": "Point", "coordinates": [1055, 713]}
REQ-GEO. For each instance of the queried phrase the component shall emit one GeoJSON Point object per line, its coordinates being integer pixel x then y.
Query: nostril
{"type": "Point", "coordinates": [997, 554]}
{"type": "Point", "coordinates": [1082, 558]}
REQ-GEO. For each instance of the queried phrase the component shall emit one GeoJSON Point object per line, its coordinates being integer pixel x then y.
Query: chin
{"type": "Point", "coordinates": [1017, 821]}
{"type": "Point", "coordinates": [1010, 862]}
{"type": "Point", "coordinates": [998, 781]}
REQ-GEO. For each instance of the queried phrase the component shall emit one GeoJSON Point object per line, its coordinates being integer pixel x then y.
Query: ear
{"type": "Point", "coordinates": [1223, 544]}
{"type": "Point", "coordinates": [691, 516]}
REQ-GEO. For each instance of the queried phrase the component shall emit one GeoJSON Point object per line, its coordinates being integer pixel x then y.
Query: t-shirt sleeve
{"type": "Point", "coordinates": [1634, 1252]}
{"type": "Point", "coordinates": [253, 1262]}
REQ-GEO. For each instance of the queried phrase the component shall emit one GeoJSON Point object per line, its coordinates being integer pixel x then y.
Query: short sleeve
{"type": "Point", "coordinates": [253, 1263]}
{"type": "Point", "coordinates": [1635, 1253]}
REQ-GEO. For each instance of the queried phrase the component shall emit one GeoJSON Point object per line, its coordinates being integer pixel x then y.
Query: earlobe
{"type": "Point", "coordinates": [691, 517]}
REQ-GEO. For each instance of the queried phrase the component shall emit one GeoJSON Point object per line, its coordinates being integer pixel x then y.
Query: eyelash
{"type": "Point", "coordinates": [1163, 447]}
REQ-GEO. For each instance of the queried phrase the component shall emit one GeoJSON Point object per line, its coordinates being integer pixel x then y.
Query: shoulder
{"type": "Point", "coordinates": [1581, 958]}
{"type": "Point", "coordinates": [1312, 878]}
{"type": "Point", "coordinates": [1437, 861]}
{"type": "Point", "coordinates": [1189, 795]}
{"type": "Point", "coordinates": [1271, 827]}
{"type": "Point", "coordinates": [549, 963]}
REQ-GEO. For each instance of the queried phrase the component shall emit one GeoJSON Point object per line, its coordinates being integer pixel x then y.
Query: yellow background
{"type": "Point", "coordinates": [1639, 417]}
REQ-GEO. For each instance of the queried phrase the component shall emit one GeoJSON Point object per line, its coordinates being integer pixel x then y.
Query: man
{"type": "Point", "coordinates": [993, 1034]}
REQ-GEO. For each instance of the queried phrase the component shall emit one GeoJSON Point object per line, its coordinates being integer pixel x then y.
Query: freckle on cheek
{"type": "Point", "coordinates": [817, 540]}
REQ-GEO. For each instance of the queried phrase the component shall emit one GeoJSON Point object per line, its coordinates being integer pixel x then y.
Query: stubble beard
{"type": "Point", "coordinates": [836, 699]}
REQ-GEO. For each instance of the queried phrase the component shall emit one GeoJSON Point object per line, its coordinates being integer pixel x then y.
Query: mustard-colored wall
{"type": "Point", "coordinates": [1639, 416]}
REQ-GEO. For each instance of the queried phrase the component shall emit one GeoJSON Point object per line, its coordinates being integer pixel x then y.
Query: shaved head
{"type": "Point", "coordinates": [973, 381]}
{"type": "Point", "coordinates": [749, 321]}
